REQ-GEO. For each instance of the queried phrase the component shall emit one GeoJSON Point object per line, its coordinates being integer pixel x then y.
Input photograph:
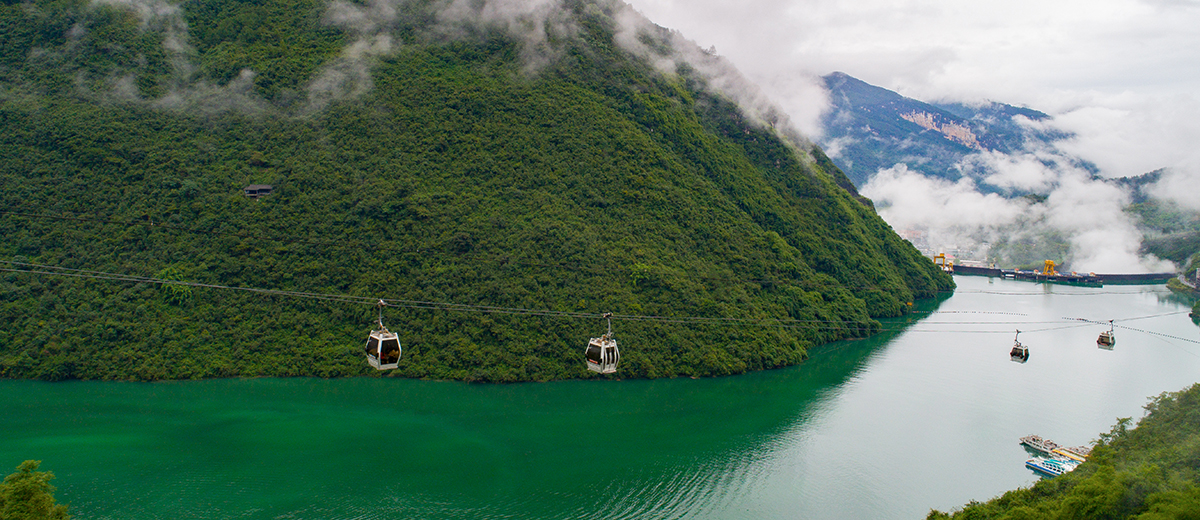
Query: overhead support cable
{"type": "Point", "coordinates": [48, 270]}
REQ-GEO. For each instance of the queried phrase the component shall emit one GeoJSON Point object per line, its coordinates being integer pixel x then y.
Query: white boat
{"type": "Point", "coordinates": [1039, 444]}
{"type": "Point", "coordinates": [1051, 467]}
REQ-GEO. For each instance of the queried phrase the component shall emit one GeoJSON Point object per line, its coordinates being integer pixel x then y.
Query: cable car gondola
{"type": "Point", "coordinates": [1019, 352]}
{"type": "Point", "coordinates": [1107, 339]}
{"type": "Point", "coordinates": [383, 346]}
{"type": "Point", "coordinates": [601, 353]}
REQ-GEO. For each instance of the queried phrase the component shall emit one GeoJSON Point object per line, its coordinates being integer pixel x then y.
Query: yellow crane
{"type": "Point", "coordinates": [940, 261]}
{"type": "Point", "coordinates": [1048, 270]}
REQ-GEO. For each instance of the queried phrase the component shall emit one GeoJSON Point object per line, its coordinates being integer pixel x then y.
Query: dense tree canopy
{"type": "Point", "coordinates": [1151, 472]}
{"type": "Point", "coordinates": [28, 495]}
{"type": "Point", "coordinates": [442, 168]}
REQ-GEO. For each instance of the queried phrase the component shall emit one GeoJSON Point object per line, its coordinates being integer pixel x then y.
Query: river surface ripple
{"type": "Point", "coordinates": [926, 416]}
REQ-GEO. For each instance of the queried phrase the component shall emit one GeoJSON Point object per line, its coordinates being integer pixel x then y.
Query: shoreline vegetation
{"type": "Point", "coordinates": [1147, 472]}
{"type": "Point", "coordinates": [28, 495]}
{"type": "Point", "coordinates": [450, 173]}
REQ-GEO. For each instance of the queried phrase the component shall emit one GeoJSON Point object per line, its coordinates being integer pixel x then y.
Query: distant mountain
{"type": "Point", "coordinates": [1171, 232]}
{"type": "Point", "coordinates": [1139, 185]}
{"type": "Point", "coordinates": [999, 147]}
{"type": "Point", "coordinates": [871, 128]}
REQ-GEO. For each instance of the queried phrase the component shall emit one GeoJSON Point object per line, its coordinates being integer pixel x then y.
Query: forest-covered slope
{"type": "Point", "coordinates": [1151, 472]}
{"type": "Point", "coordinates": [452, 153]}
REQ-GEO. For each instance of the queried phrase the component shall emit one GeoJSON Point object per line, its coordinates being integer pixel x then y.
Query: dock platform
{"type": "Point", "coordinates": [1049, 448]}
{"type": "Point", "coordinates": [1092, 279]}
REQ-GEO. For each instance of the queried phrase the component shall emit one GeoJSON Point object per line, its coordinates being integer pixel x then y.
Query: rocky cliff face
{"type": "Point", "coordinates": [952, 131]}
{"type": "Point", "coordinates": [870, 128]}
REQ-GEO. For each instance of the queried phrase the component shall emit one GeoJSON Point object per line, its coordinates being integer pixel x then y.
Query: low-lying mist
{"type": "Point", "coordinates": [1070, 215]}
{"type": "Point", "coordinates": [377, 28]}
{"type": "Point", "coordinates": [1073, 217]}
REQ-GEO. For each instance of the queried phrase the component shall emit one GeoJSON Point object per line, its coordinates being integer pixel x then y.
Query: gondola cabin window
{"type": "Point", "coordinates": [383, 349]}
{"type": "Point", "coordinates": [601, 353]}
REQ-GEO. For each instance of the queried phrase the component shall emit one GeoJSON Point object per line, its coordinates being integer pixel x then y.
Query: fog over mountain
{"type": "Point", "coordinates": [987, 182]}
{"type": "Point", "coordinates": [973, 148]}
{"type": "Point", "coordinates": [473, 164]}
{"type": "Point", "coordinates": [540, 24]}
{"type": "Point", "coordinates": [1119, 78]}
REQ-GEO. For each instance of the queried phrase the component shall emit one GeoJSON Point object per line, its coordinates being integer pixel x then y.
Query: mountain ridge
{"type": "Point", "coordinates": [500, 208]}
{"type": "Point", "coordinates": [873, 128]}
{"type": "Point", "coordinates": [921, 160]}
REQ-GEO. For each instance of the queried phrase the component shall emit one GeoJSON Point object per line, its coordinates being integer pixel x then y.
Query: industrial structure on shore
{"type": "Point", "coordinates": [1049, 273]}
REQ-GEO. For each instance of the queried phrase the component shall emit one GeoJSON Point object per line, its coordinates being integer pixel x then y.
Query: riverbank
{"type": "Point", "coordinates": [1128, 474]}
{"type": "Point", "coordinates": [859, 430]}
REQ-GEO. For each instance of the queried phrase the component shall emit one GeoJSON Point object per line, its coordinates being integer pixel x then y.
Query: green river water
{"type": "Point", "coordinates": [887, 427]}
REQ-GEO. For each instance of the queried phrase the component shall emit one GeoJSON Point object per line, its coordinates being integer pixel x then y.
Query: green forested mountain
{"type": "Point", "coordinates": [1146, 473]}
{"type": "Point", "coordinates": [453, 153]}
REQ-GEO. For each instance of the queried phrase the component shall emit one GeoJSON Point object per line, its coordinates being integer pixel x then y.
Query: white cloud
{"type": "Point", "coordinates": [834, 147]}
{"type": "Point", "coordinates": [1087, 212]}
{"type": "Point", "coordinates": [367, 18]}
{"type": "Point", "coordinates": [1123, 74]}
{"type": "Point", "coordinates": [1024, 172]}
{"type": "Point", "coordinates": [168, 19]}
{"type": "Point", "coordinates": [349, 75]}
{"type": "Point", "coordinates": [908, 199]}
{"type": "Point", "coordinates": [535, 22]}
{"type": "Point", "coordinates": [1131, 134]}
{"type": "Point", "coordinates": [1181, 185]}
{"type": "Point", "coordinates": [795, 96]}
{"type": "Point", "coordinates": [1102, 237]}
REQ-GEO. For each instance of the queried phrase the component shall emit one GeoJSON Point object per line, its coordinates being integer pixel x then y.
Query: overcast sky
{"type": "Point", "coordinates": [1123, 74]}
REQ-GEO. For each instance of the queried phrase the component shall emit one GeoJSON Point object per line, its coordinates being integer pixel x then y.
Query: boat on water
{"type": "Point", "coordinates": [1041, 445]}
{"type": "Point", "coordinates": [1082, 451]}
{"type": "Point", "coordinates": [1064, 453]}
{"type": "Point", "coordinates": [1051, 467]}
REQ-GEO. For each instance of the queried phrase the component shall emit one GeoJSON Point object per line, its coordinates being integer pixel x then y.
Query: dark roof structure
{"type": "Point", "coordinates": [255, 191]}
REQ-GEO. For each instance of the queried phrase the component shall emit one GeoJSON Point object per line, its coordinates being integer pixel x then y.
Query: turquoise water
{"type": "Point", "coordinates": [887, 427]}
